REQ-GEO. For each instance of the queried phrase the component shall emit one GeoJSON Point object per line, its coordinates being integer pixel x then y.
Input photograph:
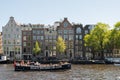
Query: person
{"type": "Point", "coordinates": [28, 62]}
{"type": "Point", "coordinates": [14, 64]}
{"type": "Point", "coordinates": [22, 62]}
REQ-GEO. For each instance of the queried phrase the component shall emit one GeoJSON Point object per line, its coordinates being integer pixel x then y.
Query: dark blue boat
{"type": "Point", "coordinates": [42, 67]}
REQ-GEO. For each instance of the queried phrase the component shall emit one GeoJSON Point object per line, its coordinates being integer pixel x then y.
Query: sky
{"type": "Point", "coordinates": [48, 11]}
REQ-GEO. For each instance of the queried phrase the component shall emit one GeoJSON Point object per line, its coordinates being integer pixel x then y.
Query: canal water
{"type": "Point", "coordinates": [78, 72]}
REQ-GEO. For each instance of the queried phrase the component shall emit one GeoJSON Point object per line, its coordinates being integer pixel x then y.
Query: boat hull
{"type": "Point", "coordinates": [41, 68]}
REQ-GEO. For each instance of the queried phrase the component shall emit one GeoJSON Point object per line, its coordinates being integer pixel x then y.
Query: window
{"type": "Point", "coordinates": [41, 32]}
{"type": "Point", "coordinates": [46, 37]}
{"type": "Point", "coordinates": [65, 31]}
{"type": "Point", "coordinates": [38, 32]}
{"type": "Point", "coordinates": [11, 30]}
{"type": "Point", "coordinates": [71, 31]}
{"type": "Point", "coordinates": [54, 37]}
{"type": "Point", "coordinates": [24, 50]}
{"type": "Point", "coordinates": [70, 37]}
{"type": "Point", "coordinates": [65, 37]}
{"type": "Point", "coordinates": [34, 31]}
{"type": "Point", "coordinates": [71, 45]}
{"type": "Point", "coordinates": [80, 36]}
{"type": "Point", "coordinates": [38, 37]}
{"type": "Point", "coordinates": [54, 47]}
{"type": "Point", "coordinates": [4, 48]}
{"type": "Point", "coordinates": [18, 42]}
{"type": "Point", "coordinates": [78, 30]}
{"type": "Point", "coordinates": [76, 36]}
{"type": "Point", "coordinates": [29, 38]}
{"type": "Point", "coordinates": [17, 29]}
{"type": "Point", "coordinates": [42, 37]}
{"type": "Point", "coordinates": [80, 47]}
{"type": "Point", "coordinates": [50, 37]}
{"type": "Point", "coordinates": [24, 37]}
{"type": "Point", "coordinates": [28, 44]}
{"type": "Point", "coordinates": [8, 35]}
{"type": "Point", "coordinates": [6, 30]}
{"type": "Point", "coordinates": [80, 42]}
{"type": "Point", "coordinates": [9, 42]}
{"type": "Point", "coordinates": [24, 33]}
{"type": "Point", "coordinates": [24, 43]}
{"type": "Point", "coordinates": [91, 27]}
{"type": "Point", "coordinates": [86, 31]}
{"type": "Point", "coordinates": [5, 35]}
{"type": "Point", "coordinates": [65, 24]}
{"type": "Point", "coordinates": [4, 41]}
{"type": "Point", "coordinates": [34, 37]}
{"type": "Point", "coordinates": [59, 31]}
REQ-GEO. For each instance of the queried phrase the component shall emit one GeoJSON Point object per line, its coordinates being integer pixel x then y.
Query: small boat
{"type": "Point", "coordinates": [117, 64]}
{"type": "Point", "coordinates": [3, 59]}
{"type": "Point", "coordinates": [41, 67]}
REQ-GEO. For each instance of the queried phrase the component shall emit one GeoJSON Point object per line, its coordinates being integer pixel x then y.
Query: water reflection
{"type": "Point", "coordinates": [78, 72]}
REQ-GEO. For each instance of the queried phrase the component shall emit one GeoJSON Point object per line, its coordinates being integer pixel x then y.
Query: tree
{"type": "Point", "coordinates": [36, 49]}
{"type": "Point", "coordinates": [60, 45]}
{"type": "Point", "coordinates": [97, 38]}
{"type": "Point", "coordinates": [114, 38]}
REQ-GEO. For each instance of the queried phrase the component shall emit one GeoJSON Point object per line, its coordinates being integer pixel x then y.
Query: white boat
{"type": "Point", "coordinates": [117, 64]}
{"type": "Point", "coordinates": [3, 59]}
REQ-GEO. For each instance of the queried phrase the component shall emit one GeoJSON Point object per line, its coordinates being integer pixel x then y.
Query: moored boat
{"type": "Point", "coordinates": [3, 59]}
{"type": "Point", "coordinates": [41, 67]}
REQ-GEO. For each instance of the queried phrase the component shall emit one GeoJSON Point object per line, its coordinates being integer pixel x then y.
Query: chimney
{"type": "Point", "coordinates": [65, 18]}
{"type": "Point", "coordinates": [11, 18]}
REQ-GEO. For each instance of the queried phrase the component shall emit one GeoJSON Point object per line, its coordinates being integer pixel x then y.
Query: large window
{"type": "Point", "coordinates": [78, 30]}
{"type": "Point", "coordinates": [70, 37]}
{"type": "Point", "coordinates": [65, 37]}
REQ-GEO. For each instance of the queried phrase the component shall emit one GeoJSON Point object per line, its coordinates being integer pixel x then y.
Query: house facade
{"type": "Point", "coordinates": [1, 48]}
{"type": "Point", "coordinates": [19, 39]}
{"type": "Point", "coordinates": [11, 39]}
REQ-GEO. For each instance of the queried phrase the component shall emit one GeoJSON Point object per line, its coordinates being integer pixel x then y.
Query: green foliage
{"type": "Point", "coordinates": [60, 45]}
{"type": "Point", "coordinates": [117, 25]}
{"type": "Point", "coordinates": [97, 37]}
{"type": "Point", "coordinates": [36, 49]}
{"type": "Point", "coordinates": [115, 36]}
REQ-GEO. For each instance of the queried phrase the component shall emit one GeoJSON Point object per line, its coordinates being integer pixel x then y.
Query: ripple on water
{"type": "Point", "coordinates": [78, 72]}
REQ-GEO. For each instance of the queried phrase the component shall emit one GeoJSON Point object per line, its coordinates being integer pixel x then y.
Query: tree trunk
{"type": "Point", "coordinates": [102, 55]}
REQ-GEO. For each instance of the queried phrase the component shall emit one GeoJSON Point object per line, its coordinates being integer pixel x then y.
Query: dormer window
{"type": "Point", "coordinates": [78, 30]}
{"type": "Point", "coordinates": [65, 24]}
